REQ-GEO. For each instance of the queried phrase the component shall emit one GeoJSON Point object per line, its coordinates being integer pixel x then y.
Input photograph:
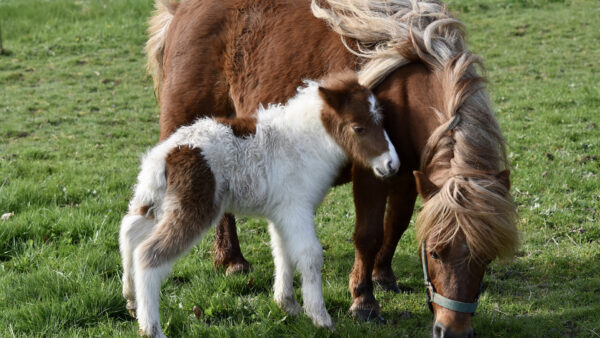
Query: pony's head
{"type": "Point", "coordinates": [466, 222]}
{"type": "Point", "coordinates": [468, 218]}
{"type": "Point", "coordinates": [351, 116]}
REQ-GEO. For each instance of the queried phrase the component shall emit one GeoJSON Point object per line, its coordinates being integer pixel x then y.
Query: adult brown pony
{"type": "Point", "coordinates": [225, 57]}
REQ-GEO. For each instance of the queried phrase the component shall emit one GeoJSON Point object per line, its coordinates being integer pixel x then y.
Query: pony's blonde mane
{"type": "Point", "coordinates": [468, 146]}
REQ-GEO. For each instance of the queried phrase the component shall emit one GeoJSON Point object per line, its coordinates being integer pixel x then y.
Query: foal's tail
{"type": "Point", "coordinates": [151, 182]}
{"type": "Point", "coordinates": [155, 47]}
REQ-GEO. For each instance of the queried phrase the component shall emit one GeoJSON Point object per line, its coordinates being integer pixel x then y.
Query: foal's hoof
{"type": "Point", "coordinates": [242, 267]}
{"type": "Point", "coordinates": [290, 306]}
{"type": "Point", "coordinates": [324, 321]}
{"type": "Point", "coordinates": [131, 307]}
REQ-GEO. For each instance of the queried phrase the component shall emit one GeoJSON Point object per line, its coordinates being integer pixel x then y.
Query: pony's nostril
{"type": "Point", "coordinates": [389, 165]}
{"type": "Point", "coordinates": [439, 330]}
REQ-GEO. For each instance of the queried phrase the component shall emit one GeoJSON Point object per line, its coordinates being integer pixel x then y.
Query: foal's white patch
{"type": "Point", "coordinates": [374, 110]}
{"type": "Point", "coordinates": [387, 163]}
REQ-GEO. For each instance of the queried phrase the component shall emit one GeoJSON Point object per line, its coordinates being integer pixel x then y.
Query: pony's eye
{"type": "Point", "coordinates": [358, 130]}
{"type": "Point", "coordinates": [434, 255]}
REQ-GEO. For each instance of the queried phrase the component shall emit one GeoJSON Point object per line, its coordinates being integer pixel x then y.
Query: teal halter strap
{"type": "Point", "coordinates": [433, 297]}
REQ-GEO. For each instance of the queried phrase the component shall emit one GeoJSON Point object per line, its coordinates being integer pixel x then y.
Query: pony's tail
{"type": "Point", "coordinates": [157, 31]}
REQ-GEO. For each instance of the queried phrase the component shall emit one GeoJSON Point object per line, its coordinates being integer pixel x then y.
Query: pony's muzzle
{"type": "Point", "coordinates": [441, 331]}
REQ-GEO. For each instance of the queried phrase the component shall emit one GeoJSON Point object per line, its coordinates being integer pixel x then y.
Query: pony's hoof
{"type": "Point", "coordinates": [385, 279]}
{"type": "Point", "coordinates": [366, 312]}
{"type": "Point", "coordinates": [368, 316]}
{"type": "Point", "coordinates": [390, 287]}
{"type": "Point", "coordinates": [242, 267]}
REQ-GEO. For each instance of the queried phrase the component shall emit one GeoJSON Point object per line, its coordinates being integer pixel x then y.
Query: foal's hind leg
{"type": "Point", "coordinates": [283, 288]}
{"type": "Point", "coordinates": [135, 228]}
{"type": "Point", "coordinates": [154, 258]}
{"type": "Point", "coordinates": [189, 208]}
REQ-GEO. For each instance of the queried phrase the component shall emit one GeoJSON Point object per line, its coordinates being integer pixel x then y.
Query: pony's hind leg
{"type": "Point", "coordinates": [135, 228]}
{"type": "Point", "coordinates": [189, 210]}
{"type": "Point", "coordinates": [283, 288]}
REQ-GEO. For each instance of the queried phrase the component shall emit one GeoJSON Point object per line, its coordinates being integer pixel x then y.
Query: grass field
{"type": "Point", "coordinates": [77, 110]}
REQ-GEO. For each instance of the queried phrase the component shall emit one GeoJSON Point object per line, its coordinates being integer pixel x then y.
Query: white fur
{"type": "Point", "coordinates": [374, 110]}
{"type": "Point", "coordinates": [282, 173]}
{"type": "Point", "coordinates": [388, 162]}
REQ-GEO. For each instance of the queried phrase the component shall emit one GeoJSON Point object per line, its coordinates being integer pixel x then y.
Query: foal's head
{"type": "Point", "coordinates": [352, 117]}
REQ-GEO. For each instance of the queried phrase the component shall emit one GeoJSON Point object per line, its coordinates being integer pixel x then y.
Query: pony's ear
{"type": "Point", "coordinates": [504, 178]}
{"type": "Point", "coordinates": [334, 98]}
{"type": "Point", "coordinates": [425, 187]}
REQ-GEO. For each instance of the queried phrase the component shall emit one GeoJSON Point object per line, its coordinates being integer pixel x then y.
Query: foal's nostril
{"type": "Point", "coordinates": [390, 167]}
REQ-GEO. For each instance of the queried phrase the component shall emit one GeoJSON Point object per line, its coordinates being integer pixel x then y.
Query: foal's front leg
{"type": "Point", "coordinates": [304, 249]}
{"type": "Point", "coordinates": [283, 288]}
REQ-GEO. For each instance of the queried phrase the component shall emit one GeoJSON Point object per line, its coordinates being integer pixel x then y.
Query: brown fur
{"type": "Point", "coordinates": [146, 211]}
{"type": "Point", "coordinates": [241, 126]}
{"type": "Point", "coordinates": [227, 57]}
{"type": "Point", "coordinates": [189, 207]}
{"type": "Point", "coordinates": [346, 108]}
{"type": "Point", "coordinates": [226, 247]}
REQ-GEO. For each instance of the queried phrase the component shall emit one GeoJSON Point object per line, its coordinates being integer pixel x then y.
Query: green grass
{"type": "Point", "coordinates": [77, 110]}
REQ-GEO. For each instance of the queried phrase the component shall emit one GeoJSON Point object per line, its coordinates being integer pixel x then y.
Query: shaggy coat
{"type": "Point", "coordinates": [279, 167]}
{"type": "Point", "coordinates": [225, 57]}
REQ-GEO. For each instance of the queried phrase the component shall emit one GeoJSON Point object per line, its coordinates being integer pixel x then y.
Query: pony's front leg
{"type": "Point", "coordinates": [134, 230]}
{"type": "Point", "coordinates": [304, 248]}
{"type": "Point", "coordinates": [283, 288]}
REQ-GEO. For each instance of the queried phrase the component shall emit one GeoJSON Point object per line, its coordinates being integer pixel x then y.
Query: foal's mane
{"type": "Point", "coordinates": [467, 146]}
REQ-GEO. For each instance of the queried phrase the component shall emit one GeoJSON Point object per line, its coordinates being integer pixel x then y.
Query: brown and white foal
{"type": "Point", "coordinates": [279, 168]}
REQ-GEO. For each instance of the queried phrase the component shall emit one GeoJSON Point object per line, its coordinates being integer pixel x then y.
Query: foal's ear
{"type": "Point", "coordinates": [334, 98]}
{"type": "Point", "coordinates": [425, 187]}
{"type": "Point", "coordinates": [504, 178]}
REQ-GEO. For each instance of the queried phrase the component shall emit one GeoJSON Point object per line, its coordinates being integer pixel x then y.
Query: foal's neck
{"type": "Point", "coordinates": [300, 120]}
{"type": "Point", "coordinates": [303, 141]}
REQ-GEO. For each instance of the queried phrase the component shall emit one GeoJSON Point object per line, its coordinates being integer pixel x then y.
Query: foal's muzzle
{"type": "Point", "coordinates": [388, 163]}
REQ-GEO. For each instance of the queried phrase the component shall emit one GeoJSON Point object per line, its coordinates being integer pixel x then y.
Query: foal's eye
{"type": "Point", "coordinates": [358, 130]}
{"type": "Point", "coordinates": [434, 255]}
